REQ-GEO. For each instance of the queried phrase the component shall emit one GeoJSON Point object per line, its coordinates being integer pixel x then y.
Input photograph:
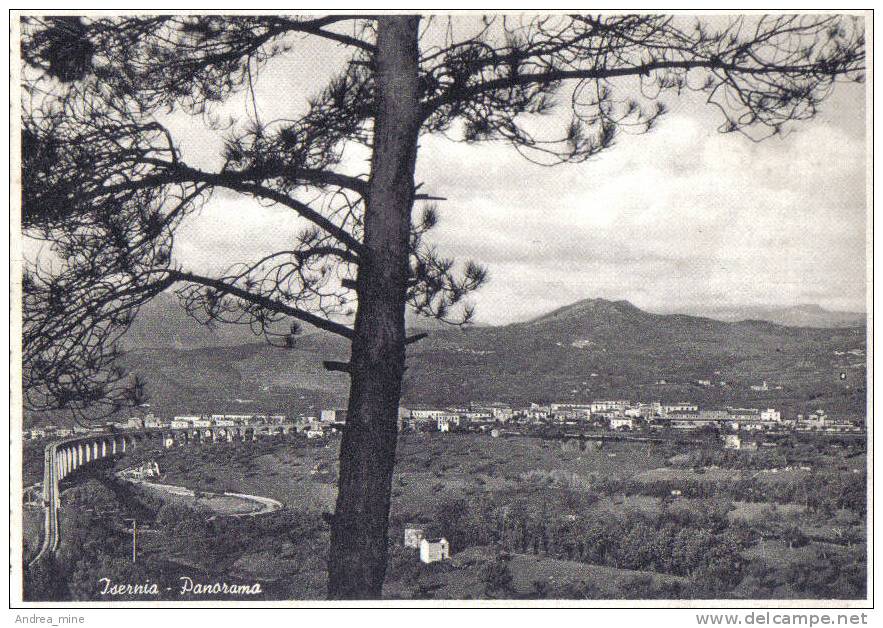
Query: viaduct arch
{"type": "Point", "coordinates": [64, 457]}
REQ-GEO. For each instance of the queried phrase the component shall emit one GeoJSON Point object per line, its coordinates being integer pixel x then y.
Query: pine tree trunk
{"type": "Point", "coordinates": [357, 559]}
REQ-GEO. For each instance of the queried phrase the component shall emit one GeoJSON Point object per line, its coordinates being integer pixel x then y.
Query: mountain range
{"type": "Point", "coordinates": [587, 350]}
{"type": "Point", "coordinates": [805, 315]}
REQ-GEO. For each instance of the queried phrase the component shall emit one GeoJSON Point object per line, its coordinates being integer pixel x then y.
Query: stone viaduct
{"type": "Point", "coordinates": [63, 457]}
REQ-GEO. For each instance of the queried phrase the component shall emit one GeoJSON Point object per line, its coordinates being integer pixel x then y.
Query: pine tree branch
{"type": "Point", "coordinates": [314, 27]}
{"type": "Point", "coordinates": [464, 94]}
{"type": "Point", "coordinates": [240, 182]}
{"type": "Point", "coordinates": [265, 302]}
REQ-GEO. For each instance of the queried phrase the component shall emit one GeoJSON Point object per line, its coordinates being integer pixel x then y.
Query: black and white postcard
{"type": "Point", "coordinates": [418, 309]}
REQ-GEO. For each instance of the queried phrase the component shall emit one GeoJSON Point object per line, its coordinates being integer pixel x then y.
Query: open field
{"type": "Point", "coordinates": [32, 531]}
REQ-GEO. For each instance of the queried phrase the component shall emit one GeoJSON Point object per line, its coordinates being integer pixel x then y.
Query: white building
{"type": "Point", "coordinates": [432, 551]}
{"type": "Point", "coordinates": [771, 414]}
{"type": "Point", "coordinates": [185, 421]}
{"type": "Point", "coordinates": [732, 441]}
{"type": "Point", "coordinates": [414, 534]}
{"type": "Point", "coordinates": [499, 411]}
{"type": "Point", "coordinates": [232, 419]}
{"type": "Point", "coordinates": [334, 415]}
{"type": "Point", "coordinates": [622, 423]}
{"type": "Point", "coordinates": [537, 412]}
{"type": "Point", "coordinates": [426, 413]}
{"type": "Point", "coordinates": [133, 423]}
{"type": "Point", "coordinates": [685, 406]}
{"type": "Point", "coordinates": [149, 469]}
{"type": "Point", "coordinates": [447, 422]}
{"type": "Point", "coordinates": [598, 407]}
{"type": "Point", "coordinates": [151, 421]}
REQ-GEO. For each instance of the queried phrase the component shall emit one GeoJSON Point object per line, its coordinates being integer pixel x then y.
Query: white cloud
{"type": "Point", "coordinates": [677, 218]}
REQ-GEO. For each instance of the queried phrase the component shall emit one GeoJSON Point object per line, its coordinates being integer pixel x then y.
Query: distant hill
{"type": "Point", "coordinates": [808, 315]}
{"type": "Point", "coordinates": [163, 323]}
{"type": "Point", "coordinates": [591, 349]}
{"type": "Point", "coordinates": [598, 348]}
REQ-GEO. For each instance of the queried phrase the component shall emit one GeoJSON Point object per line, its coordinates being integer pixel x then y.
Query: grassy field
{"type": "Point", "coordinates": [32, 531]}
{"type": "Point", "coordinates": [222, 505]}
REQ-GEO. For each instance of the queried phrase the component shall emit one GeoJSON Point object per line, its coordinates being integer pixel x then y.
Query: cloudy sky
{"type": "Point", "coordinates": [681, 219]}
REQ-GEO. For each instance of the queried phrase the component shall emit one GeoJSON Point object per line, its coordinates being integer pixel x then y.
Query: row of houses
{"type": "Point", "coordinates": [150, 421]}
{"type": "Point", "coordinates": [619, 415]}
{"type": "Point", "coordinates": [224, 420]}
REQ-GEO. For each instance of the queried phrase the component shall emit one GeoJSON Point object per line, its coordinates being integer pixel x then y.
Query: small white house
{"type": "Point", "coordinates": [732, 441]}
{"type": "Point", "coordinates": [771, 414]}
{"type": "Point", "coordinates": [622, 423]}
{"type": "Point", "coordinates": [433, 551]}
{"type": "Point", "coordinates": [414, 534]}
{"type": "Point", "coordinates": [447, 422]}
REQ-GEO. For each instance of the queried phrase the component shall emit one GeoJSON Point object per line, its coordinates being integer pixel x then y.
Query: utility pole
{"type": "Point", "coordinates": [134, 538]}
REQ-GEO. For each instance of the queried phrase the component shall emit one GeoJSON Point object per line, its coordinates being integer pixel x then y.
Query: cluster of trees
{"type": "Point", "coordinates": [732, 459]}
{"type": "Point", "coordinates": [825, 491]}
{"type": "Point", "coordinates": [825, 577]}
{"type": "Point", "coordinates": [683, 540]}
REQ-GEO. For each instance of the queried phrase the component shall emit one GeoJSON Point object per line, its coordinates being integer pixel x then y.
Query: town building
{"type": "Point", "coordinates": [690, 421]}
{"type": "Point", "coordinates": [314, 432]}
{"type": "Point", "coordinates": [732, 441]}
{"type": "Point", "coordinates": [146, 471]}
{"type": "Point", "coordinates": [414, 534]}
{"type": "Point", "coordinates": [234, 419]}
{"type": "Point", "coordinates": [448, 422]}
{"type": "Point", "coordinates": [714, 415]}
{"type": "Point", "coordinates": [599, 407]}
{"type": "Point", "coordinates": [498, 411]}
{"type": "Point", "coordinates": [334, 415]}
{"type": "Point", "coordinates": [133, 423]}
{"type": "Point", "coordinates": [771, 415]}
{"type": "Point", "coordinates": [426, 413]}
{"type": "Point", "coordinates": [622, 423]}
{"type": "Point", "coordinates": [537, 412]}
{"type": "Point", "coordinates": [434, 550]}
{"type": "Point", "coordinates": [152, 422]}
{"type": "Point", "coordinates": [684, 406]}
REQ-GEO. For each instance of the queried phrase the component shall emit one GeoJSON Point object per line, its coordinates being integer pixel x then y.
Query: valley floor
{"type": "Point", "coordinates": [526, 518]}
